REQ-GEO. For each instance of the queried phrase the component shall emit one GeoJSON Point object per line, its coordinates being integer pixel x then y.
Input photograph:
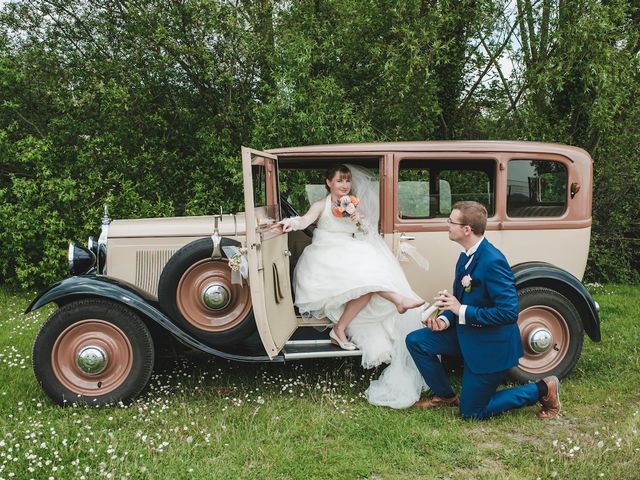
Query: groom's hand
{"type": "Point", "coordinates": [446, 301]}
{"type": "Point", "coordinates": [435, 324]}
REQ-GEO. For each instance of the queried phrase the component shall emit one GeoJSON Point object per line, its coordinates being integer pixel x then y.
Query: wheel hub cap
{"type": "Point", "coordinates": [92, 360]}
{"type": "Point", "coordinates": [540, 340]}
{"type": "Point", "coordinates": [216, 296]}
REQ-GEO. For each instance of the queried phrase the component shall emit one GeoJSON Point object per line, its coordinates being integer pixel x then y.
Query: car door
{"type": "Point", "coordinates": [267, 251]}
{"type": "Point", "coordinates": [426, 186]}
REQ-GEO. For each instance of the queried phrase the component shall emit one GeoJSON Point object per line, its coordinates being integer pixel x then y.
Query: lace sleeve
{"type": "Point", "coordinates": [298, 223]}
{"type": "Point", "coordinates": [293, 222]}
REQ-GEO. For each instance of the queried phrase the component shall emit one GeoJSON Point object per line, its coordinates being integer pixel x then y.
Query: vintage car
{"type": "Point", "coordinates": [146, 285]}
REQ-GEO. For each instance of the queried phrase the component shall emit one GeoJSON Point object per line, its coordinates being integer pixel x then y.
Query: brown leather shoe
{"type": "Point", "coordinates": [436, 401]}
{"type": "Point", "coordinates": [551, 402]}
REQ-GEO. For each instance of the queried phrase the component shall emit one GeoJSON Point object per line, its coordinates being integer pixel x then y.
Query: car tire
{"type": "Point", "coordinates": [93, 352]}
{"type": "Point", "coordinates": [187, 275]}
{"type": "Point", "coordinates": [542, 311]}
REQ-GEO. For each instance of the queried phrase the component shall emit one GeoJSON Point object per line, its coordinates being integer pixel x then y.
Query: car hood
{"type": "Point", "coordinates": [230, 225]}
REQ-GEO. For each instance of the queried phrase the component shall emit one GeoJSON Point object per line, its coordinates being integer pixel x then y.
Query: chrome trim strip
{"type": "Point", "coordinates": [102, 240]}
{"type": "Point", "coordinates": [235, 226]}
{"type": "Point", "coordinates": [70, 255]}
{"type": "Point", "coordinates": [293, 343]}
{"type": "Point", "coordinates": [325, 354]}
{"type": "Point", "coordinates": [216, 254]}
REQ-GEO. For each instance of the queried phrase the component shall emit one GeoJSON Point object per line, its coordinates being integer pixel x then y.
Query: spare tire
{"type": "Point", "coordinates": [196, 292]}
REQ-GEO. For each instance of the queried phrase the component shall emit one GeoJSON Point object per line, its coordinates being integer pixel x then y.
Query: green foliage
{"type": "Point", "coordinates": [144, 105]}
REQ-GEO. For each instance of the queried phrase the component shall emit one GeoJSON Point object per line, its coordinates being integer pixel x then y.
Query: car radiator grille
{"type": "Point", "coordinates": [149, 265]}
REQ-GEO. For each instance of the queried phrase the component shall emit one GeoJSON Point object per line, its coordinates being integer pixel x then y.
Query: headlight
{"type": "Point", "coordinates": [81, 259]}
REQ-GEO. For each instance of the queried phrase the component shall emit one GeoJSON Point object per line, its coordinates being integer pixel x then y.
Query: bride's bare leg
{"type": "Point", "coordinates": [351, 309]}
{"type": "Point", "coordinates": [401, 302]}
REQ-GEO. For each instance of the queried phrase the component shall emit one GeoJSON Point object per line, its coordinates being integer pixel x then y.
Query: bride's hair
{"type": "Point", "coordinates": [333, 170]}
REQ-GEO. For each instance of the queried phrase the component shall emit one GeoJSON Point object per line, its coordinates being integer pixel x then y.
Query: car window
{"type": "Point", "coordinates": [536, 188]}
{"type": "Point", "coordinates": [302, 187]}
{"type": "Point", "coordinates": [429, 188]}
{"type": "Point", "coordinates": [266, 214]}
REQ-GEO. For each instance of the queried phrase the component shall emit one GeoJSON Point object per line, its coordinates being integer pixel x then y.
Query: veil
{"type": "Point", "coordinates": [366, 188]}
{"type": "Point", "coordinates": [400, 384]}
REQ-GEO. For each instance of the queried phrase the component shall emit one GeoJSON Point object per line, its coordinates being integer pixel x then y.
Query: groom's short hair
{"type": "Point", "coordinates": [474, 214]}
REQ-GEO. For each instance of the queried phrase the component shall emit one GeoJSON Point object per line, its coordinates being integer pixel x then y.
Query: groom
{"type": "Point", "coordinates": [478, 323]}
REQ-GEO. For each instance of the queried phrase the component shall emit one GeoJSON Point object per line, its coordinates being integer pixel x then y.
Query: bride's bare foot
{"type": "Point", "coordinates": [407, 303]}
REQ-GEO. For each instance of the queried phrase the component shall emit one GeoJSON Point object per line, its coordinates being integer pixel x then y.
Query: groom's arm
{"type": "Point", "coordinates": [447, 317]}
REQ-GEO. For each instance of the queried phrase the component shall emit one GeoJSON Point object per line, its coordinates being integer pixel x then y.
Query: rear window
{"type": "Point", "coordinates": [536, 188]}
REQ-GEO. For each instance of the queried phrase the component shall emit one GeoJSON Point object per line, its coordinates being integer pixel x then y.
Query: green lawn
{"type": "Point", "coordinates": [208, 418]}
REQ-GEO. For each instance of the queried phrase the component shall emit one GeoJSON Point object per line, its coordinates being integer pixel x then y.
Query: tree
{"type": "Point", "coordinates": [144, 105]}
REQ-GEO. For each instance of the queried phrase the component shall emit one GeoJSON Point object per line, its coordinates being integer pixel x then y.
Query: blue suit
{"type": "Point", "coordinates": [488, 341]}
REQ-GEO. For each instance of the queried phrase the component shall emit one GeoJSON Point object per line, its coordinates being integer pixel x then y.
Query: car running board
{"type": "Point", "coordinates": [301, 349]}
{"type": "Point", "coordinates": [313, 322]}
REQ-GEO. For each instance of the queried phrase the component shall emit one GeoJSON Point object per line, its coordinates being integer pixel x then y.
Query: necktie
{"type": "Point", "coordinates": [468, 262]}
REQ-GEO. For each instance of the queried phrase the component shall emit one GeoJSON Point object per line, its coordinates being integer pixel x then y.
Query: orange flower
{"type": "Point", "coordinates": [354, 200]}
{"type": "Point", "coordinates": [336, 211]}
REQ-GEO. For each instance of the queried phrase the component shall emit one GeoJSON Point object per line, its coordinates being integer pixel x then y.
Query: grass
{"type": "Point", "coordinates": [207, 418]}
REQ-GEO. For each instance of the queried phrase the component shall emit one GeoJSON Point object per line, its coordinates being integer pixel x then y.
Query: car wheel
{"type": "Point", "coordinates": [197, 293]}
{"type": "Point", "coordinates": [93, 352]}
{"type": "Point", "coordinates": [551, 333]}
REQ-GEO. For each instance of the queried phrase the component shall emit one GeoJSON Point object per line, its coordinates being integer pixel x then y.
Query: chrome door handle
{"type": "Point", "coordinates": [287, 253]}
{"type": "Point", "coordinates": [404, 237]}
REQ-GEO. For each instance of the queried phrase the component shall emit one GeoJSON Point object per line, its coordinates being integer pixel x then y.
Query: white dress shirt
{"type": "Point", "coordinates": [463, 308]}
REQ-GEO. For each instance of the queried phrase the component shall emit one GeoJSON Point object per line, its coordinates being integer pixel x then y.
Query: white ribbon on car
{"type": "Point", "coordinates": [410, 253]}
{"type": "Point", "coordinates": [237, 263]}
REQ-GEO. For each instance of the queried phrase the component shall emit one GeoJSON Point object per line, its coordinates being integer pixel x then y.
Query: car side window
{"type": "Point", "coordinates": [536, 188]}
{"type": "Point", "coordinates": [302, 187]}
{"type": "Point", "coordinates": [429, 188]}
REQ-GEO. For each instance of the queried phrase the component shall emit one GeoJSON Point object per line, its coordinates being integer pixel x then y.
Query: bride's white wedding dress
{"type": "Point", "coordinates": [342, 264]}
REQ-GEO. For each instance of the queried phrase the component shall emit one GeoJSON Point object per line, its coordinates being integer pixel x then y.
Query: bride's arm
{"type": "Point", "coordinates": [299, 223]}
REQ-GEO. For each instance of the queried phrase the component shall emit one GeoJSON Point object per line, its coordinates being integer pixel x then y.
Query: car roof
{"type": "Point", "coordinates": [436, 146]}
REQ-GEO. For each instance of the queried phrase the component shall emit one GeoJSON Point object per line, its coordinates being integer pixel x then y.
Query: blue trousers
{"type": "Point", "coordinates": [479, 398]}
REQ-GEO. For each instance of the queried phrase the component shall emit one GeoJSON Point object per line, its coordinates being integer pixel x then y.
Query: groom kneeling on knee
{"type": "Point", "coordinates": [478, 323]}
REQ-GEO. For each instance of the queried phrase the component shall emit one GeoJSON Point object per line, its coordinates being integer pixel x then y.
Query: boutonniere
{"type": "Point", "coordinates": [466, 283]}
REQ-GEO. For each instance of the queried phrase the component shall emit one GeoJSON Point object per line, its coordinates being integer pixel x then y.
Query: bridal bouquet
{"type": "Point", "coordinates": [345, 207]}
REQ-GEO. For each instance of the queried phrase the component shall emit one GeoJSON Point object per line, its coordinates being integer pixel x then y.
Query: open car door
{"type": "Point", "coordinates": [267, 252]}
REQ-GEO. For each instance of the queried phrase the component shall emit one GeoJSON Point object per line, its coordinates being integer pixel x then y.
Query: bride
{"type": "Point", "coordinates": [350, 276]}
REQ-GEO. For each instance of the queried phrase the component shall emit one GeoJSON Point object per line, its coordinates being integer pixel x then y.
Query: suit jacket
{"type": "Point", "coordinates": [490, 338]}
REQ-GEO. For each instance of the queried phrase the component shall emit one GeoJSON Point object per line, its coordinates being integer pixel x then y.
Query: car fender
{"type": "Point", "coordinates": [547, 275]}
{"type": "Point", "coordinates": [86, 286]}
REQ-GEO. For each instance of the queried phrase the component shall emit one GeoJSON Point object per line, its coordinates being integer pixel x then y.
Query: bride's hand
{"type": "Point", "coordinates": [286, 225]}
{"type": "Point", "coordinates": [355, 217]}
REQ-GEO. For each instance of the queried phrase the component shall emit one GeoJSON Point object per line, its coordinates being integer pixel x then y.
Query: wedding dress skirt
{"type": "Point", "coordinates": [343, 264]}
